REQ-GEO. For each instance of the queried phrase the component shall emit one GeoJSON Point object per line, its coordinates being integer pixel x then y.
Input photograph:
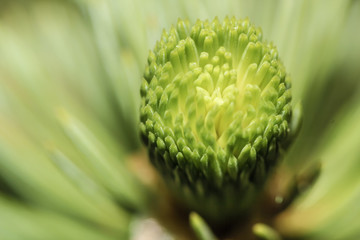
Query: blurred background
{"type": "Point", "coordinates": [70, 73]}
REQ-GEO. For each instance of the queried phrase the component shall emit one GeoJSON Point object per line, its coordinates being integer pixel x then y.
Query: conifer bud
{"type": "Point", "coordinates": [215, 110]}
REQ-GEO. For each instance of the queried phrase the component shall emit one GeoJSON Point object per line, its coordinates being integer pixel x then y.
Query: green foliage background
{"type": "Point", "coordinates": [70, 73]}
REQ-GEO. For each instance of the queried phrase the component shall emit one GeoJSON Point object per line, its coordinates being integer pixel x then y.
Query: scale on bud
{"type": "Point", "coordinates": [215, 113]}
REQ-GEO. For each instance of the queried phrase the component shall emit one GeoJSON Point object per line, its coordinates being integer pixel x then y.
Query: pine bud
{"type": "Point", "coordinates": [215, 110]}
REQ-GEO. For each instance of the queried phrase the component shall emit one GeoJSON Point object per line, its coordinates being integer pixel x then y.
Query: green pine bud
{"type": "Point", "coordinates": [215, 110]}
